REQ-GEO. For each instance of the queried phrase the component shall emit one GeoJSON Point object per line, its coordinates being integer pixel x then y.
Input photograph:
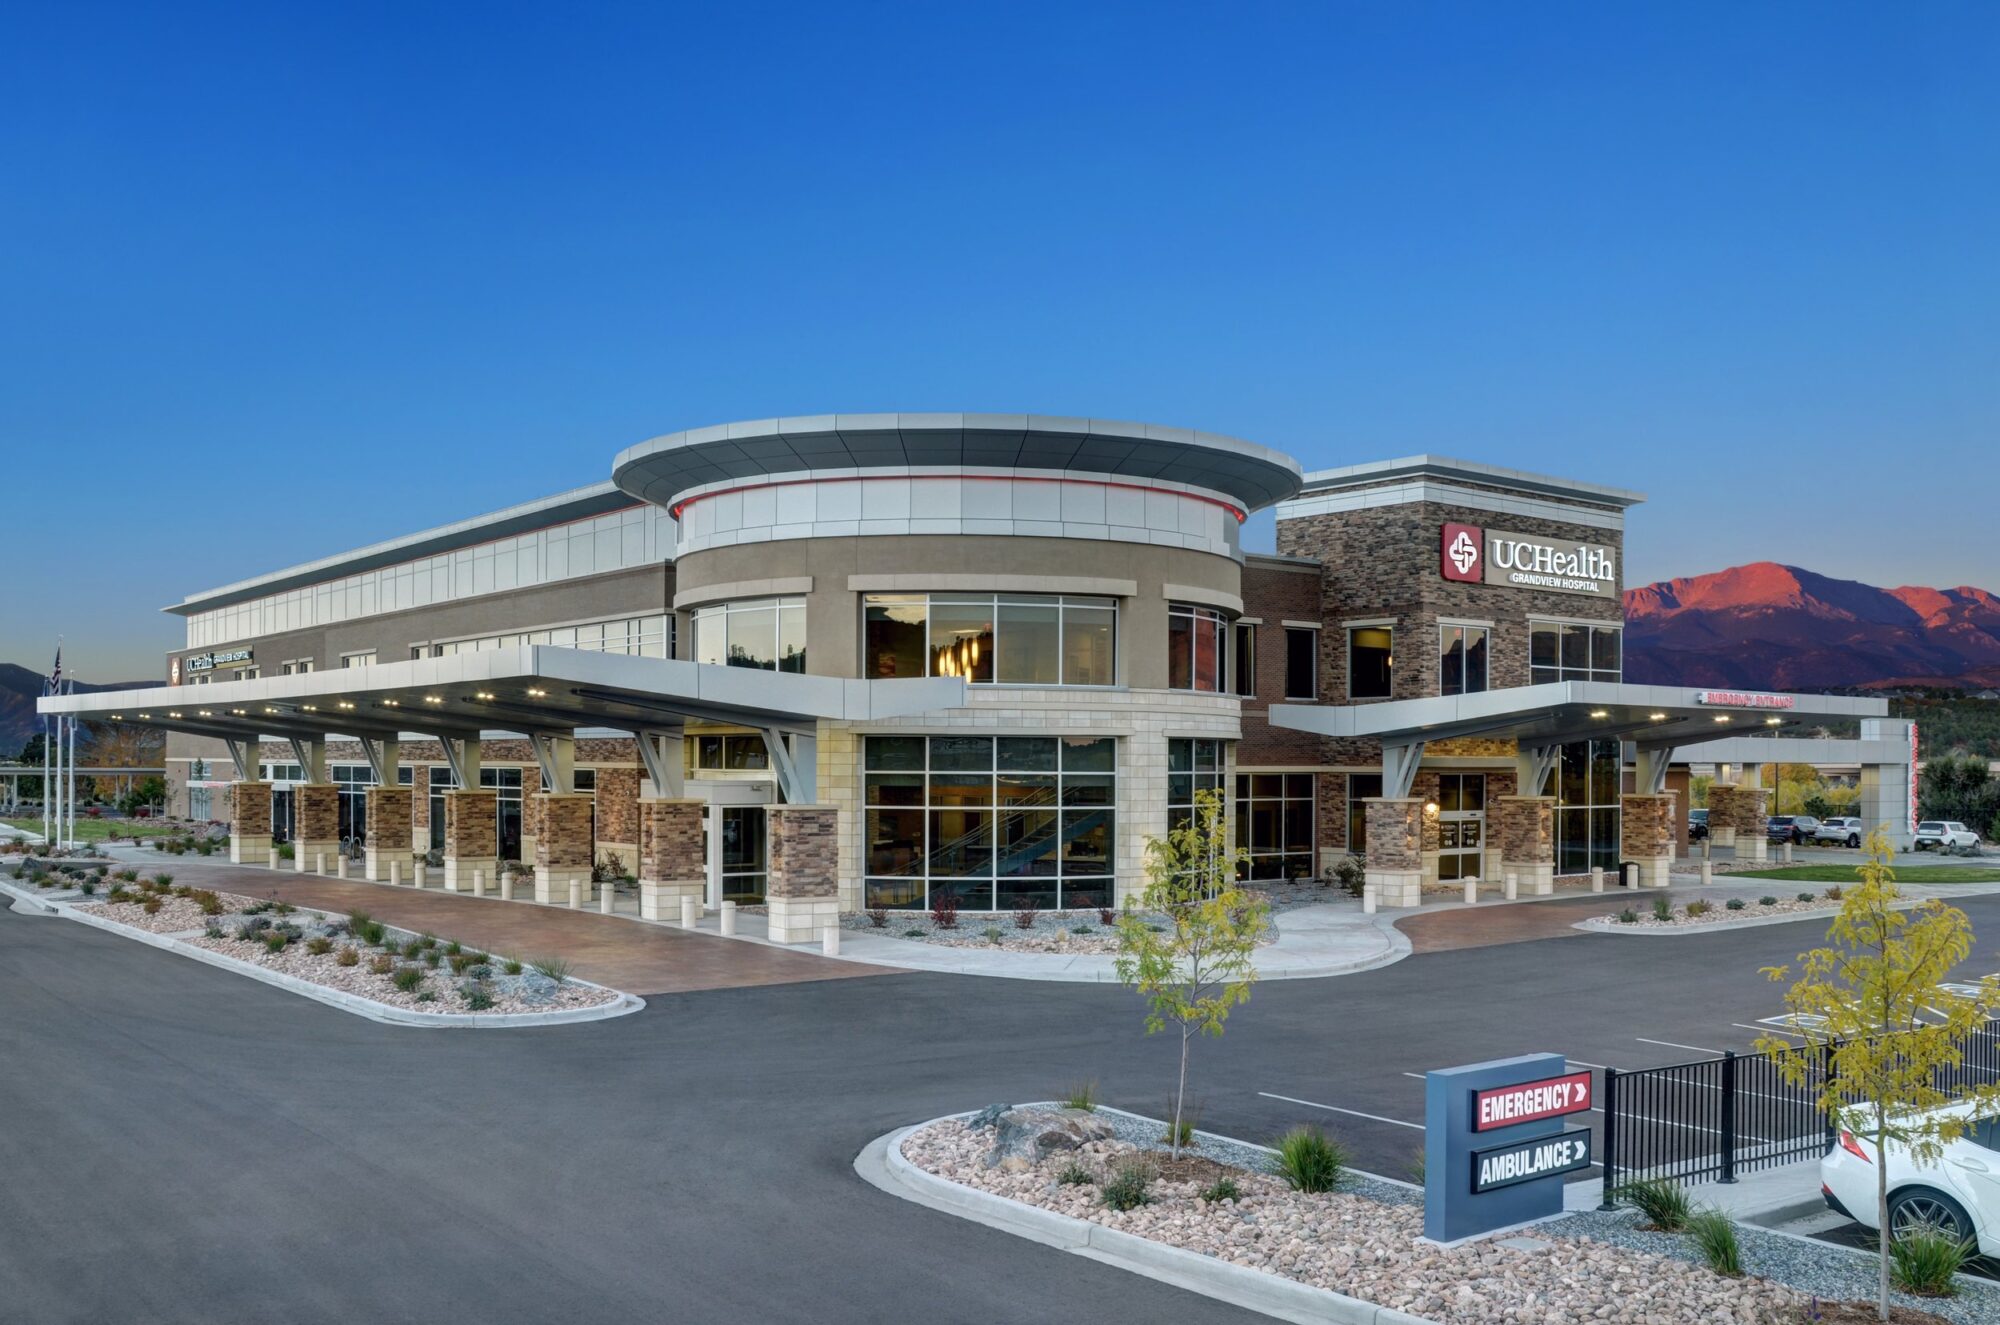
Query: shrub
{"type": "Point", "coordinates": [1714, 1235]}
{"type": "Point", "coordinates": [1924, 1260]}
{"type": "Point", "coordinates": [151, 906]}
{"type": "Point", "coordinates": [555, 968]}
{"type": "Point", "coordinates": [412, 948]}
{"type": "Point", "coordinates": [286, 851]}
{"type": "Point", "coordinates": [1628, 917]}
{"type": "Point", "coordinates": [1024, 918]}
{"type": "Point", "coordinates": [1351, 874]}
{"type": "Point", "coordinates": [458, 962]}
{"type": "Point", "coordinates": [211, 930]}
{"type": "Point", "coordinates": [427, 996]}
{"type": "Point", "coordinates": [1190, 1115]}
{"type": "Point", "coordinates": [1767, 901]}
{"type": "Point", "coordinates": [1734, 903]}
{"type": "Point", "coordinates": [511, 966]}
{"type": "Point", "coordinates": [1222, 1189]}
{"type": "Point", "coordinates": [1662, 909]}
{"type": "Point", "coordinates": [381, 964]}
{"type": "Point", "coordinates": [89, 886]}
{"type": "Point", "coordinates": [357, 920]}
{"type": "Point", "coordinates": [407, 978]}
{"type": "Point", "coordinates": [374, 933]}
{"type": "Point", "coordinates": [1697, 908]}
{"type": "Point", "coordinates": [1126, 1188]}
{"type": "Point", "coordinates": [319, 947]}
{"type": "Point", "coordinates": [1806, 897]}
{"type": "Point", "coordinates": [451, 949]}
{"type": "Point", "coordinates": [1664, 1203]}
{"type": "Point", "coordinates": [349, 955]}
{"type": "Point", "coordinates": [1832, 894]}
{"type": "Point", "coordinates": [1309, 1159]}
{"type": "Point", "coordinates": [1074, 1174]}
{"type": "Point", "coordinates": [163, 880]}
{"type": "Point", "coordinates": [478, 998]}
{"type": "Point", "coordinates": [432, 959]}
{"type": "Point", "coordinates": [276, 940]}
{"type": "Point", "coordinates": [944, 910]}
{"type": "Point", "coordinates": [1419, 1162]}
{"type": "Point", "coordinates": [130, 876]}
{"type": "Point", "coordinates": [1106, 916]}
{"type": "Point", "coordinates": [283, 908]}
{"type": "Point", "coordinates": [427, 941]}
{"type": "Point", "coordinates": [992, 933]}
{"type": "Point", "coordinates": [913, 933]}
{"type": "Point", "coordinates": [878, 916]}
{"type": "Point", "coordinates": [209, 902]}
{"type": "Point", "coordinates": [1081, 1095]}
{"type": "Point", "coordinates": [474, 958]}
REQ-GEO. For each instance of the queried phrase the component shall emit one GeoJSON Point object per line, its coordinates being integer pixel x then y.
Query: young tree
{"type": "Point", "coordinates": [1197, 967]}
{"type": "Point", "coordinates": [1860, 1002]}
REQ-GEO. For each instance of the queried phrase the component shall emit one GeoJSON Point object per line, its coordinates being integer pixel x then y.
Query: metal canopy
{"type": "Point", "coordinates": [529, 689]}
{"type": "Point", "coordinates": [1667, 717]}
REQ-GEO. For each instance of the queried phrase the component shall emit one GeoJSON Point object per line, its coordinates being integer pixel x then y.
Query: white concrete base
{"type": "Point", "coordinates": [1396, 887]}
{"type": "Point", "coordinates": [1707, 871]}
{"type": "Point", "coordinates": [802, 919]}
{"type": "Point", "coordinates": [552, 885]}
{"type": "Point", "coordinates": [249, 850]}
{"type": "Point", "coordinates": [1656, 873]}
{"type": "Point", "coordinates": [458, 871]}
{"type": "Point", "coordinates": [378, 863]}
{"type": "Point", "coordinates": [306, 855]}
{"type": "Point", "coordinates": [726, 920]}
{"type": "Point", "coordinates": [662, 901]}
{"type": "Point", "coordinates": [607, 898]}
{"type": "Point", "coordinates": [1755, 848]}
{"type": "Point", "coordinates": [1597, 878]}
{"type": "Point", "coordinates": [1430, 867]}
{"type": "Point", "coordinates": [1537, 879]}
{"type": "Point", "coordinates": [506, 887]}
{"type": "Point", "coordinates": [1722, 837]}
{"type": "Point", "coordinates": [419, 872]}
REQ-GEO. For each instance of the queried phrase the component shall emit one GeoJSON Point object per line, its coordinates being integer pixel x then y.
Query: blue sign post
{"type": "Point", "coordinates": [1495, 1145]}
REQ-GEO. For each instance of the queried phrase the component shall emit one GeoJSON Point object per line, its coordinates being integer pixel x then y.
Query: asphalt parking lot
{"type": "Point", "coordinates": [182, 1144]}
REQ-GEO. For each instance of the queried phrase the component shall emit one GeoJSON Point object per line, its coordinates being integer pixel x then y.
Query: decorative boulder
{"type": "Point", "coordinates": [1033, 1132]}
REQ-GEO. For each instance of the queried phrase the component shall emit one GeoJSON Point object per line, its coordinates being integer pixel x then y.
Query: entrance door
{"type": "Point", "coordinates": [1461, 825]}
{"type": "Point", "coordinates": [734, 838]}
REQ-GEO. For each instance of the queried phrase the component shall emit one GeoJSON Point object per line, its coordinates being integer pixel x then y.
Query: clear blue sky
{"type": "Point", "coordinates": [280, 280]}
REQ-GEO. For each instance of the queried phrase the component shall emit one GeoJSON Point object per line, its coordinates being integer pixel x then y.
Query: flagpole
{"type": "Point", "coordinates": [48, 784]}
{"type": "Point", "coordinates": [72, 771]}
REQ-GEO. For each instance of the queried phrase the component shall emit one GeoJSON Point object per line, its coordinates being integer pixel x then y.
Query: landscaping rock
{"type": "Point", "coordinates": [989, 1116]}
{"type": "Point", "coordinates": [530, 987]}
{"type": "Point", "coordinates": [1027, 1135]}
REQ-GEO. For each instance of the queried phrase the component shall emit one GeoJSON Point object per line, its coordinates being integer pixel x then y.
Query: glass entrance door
{"type": "Point", "coordinates": [1461, 825]}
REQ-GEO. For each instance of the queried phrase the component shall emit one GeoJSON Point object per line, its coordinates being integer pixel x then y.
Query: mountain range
{"type": "Point", "coordinates": [1780, 627]}
{"type": "Point", "coordinates": [19, 689]}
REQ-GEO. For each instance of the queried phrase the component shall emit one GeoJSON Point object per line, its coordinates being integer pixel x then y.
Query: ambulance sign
{"type": "Point", "coordinates": [1525, 1161]}
{"type": "Point", "coordinates": [1530, 1101]}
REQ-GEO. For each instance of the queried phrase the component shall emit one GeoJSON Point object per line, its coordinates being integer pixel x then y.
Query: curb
{"type": "Point", "coordinates": [384, 1013]}
{"type": "Point", "coordinates": [882, 1164]}
{"type": "Point", "coordinates": [1598, 925]}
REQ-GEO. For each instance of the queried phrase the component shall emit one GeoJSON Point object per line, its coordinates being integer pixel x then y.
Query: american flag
{"type": "Point", "coordinates": [55, 674]}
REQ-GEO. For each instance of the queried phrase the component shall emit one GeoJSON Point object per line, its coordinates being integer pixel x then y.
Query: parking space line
{"type": "Point", "coordinates": [1334, 1108]}
{"type": "Point", "coordinates": [1761, 1029]}
{"type": "Point", "coordinates": [1672, 1045]}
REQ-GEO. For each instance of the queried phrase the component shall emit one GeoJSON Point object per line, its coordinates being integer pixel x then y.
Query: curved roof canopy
{"type": "Point", "coordinates": [660, 470]}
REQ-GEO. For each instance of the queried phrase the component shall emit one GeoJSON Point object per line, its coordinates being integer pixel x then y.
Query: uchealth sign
{"type": "Point", "coordinates": [1525, 1161]}
{"type": "Point", "coordinates": [1503, 1106]}
{"type": "Point", "coordinates": [1472, 555]}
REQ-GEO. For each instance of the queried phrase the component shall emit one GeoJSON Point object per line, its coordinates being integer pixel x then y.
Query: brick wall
{"type": "Point", "coordinates": [470, 824]}
{"type": "Point", "coordinates": [389, 818]}
{"type": "Point", "coordinates": [1275, 593]}
{"type": "Point", "coordinates": [1645, 831]}
{"type": "Point", "coordinates": [1527, 829]}
{"type": "Point", "coordinates": [316, 810]}
{"type": "Point", "coordinates": [564, 842]}
{"type": "Point", "coordinates": [618, 805]}
{"type": "Point", "coordinates": [1395, 834]}
{"type": "Point", "coordinates": [250, 809]}
{"type": "Point", "coordinates": [804, 851]}
{"type": "Point", "coordinates": [670, 841]}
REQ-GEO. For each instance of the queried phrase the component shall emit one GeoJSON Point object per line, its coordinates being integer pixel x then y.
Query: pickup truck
{"type": "Point", "coordinates": [1839, 832]}
{"type": "Point", "coordinates": [1944, 835]}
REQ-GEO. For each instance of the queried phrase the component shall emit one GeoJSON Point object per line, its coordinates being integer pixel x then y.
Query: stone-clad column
{"type": "Point", "coordinates": [563, 848]}
{"type": "Point", "coordinates": [250, 823]}
{"type": "Point", "coordinates": [670, 856]}
{"type": "Point", "coordinates": [618, 816]}
{"type": "Point", "coordinates": [389, 832]}
{"type": "Point", "coordinates": [803, 887]}
{"type": "Point", "coordinates": [1646, 837]}
{"type": "Point", "coordinates": [1394, 866]}
{"type": "Point", "coordinates": [471, 838]}
{"type": "Point", "coordinates": [1528, 842]}
{"type": "Point", "coordinates": [1736, 819]}
{"type": "Point", "coordinates": [316, 807]}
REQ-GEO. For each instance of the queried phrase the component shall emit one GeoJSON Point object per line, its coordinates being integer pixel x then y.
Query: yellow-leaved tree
{"type": "Point", "coordinates": [1196, 966]}
{"type": "Point", "coordinates": [1874, 1007]}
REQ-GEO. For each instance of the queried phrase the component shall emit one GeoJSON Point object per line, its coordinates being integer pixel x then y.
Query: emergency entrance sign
{"type": "Point", "coordinates": [1530, 1101]}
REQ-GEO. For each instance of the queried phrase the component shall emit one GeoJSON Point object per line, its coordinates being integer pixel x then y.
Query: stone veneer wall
{"type": "Point", "coordinates": [471, 829]}
{"type": "Point", "coordinates": [250, 809]}
{"type": "Point", "coordinates": [1395, 834]}
{"type": "Point", "coordinates": [1275, 593]}
{"type": "Point", "coordinates": [1527, 830]}
{"type": "Point", "coordinates": [1142, 720]}
{"type": "Point", "coordinates": [316, 812]}
{"type": "Point", "coordinates": [564, 842]}
{"type": "Point", "coordinates": [618, 813]}
{"type": "Point", "coordinates": [389, 812]}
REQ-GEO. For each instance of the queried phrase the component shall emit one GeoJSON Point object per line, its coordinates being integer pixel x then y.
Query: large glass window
{"type": "Point", "coordinates": [1461, 802]}
{"type": "Point", "coordinates": [731, 754]}
{"type": "Point", "coordinates": [768, 633]}
{"type": "Point", "coordinates": [1370, 662]}
{"type": "Point", "coordinates": [1575, 651]}
{"type": "Point", "coordinates": [1245, 661]}
{"type": "Point", "coordinates": [353, 781]}
{"type": "Point", "coordinates": [506, 784]}
{"type": "Point", "coordinates": [1461, 660]}
{"type": "Point", "coordinates": [743, 853]}
{"type": "Point", "coordinates": [1361, 788]}
{"type": "Point", "coordinates": [1007, 823]}
{"type": "Point", "coordinates": [1195, 652]}
{"type": "Point", "coordinates": [1005, 639]}
{"type": "Point", "coordinates": [1274, 823]}
{"type": "Point", "coordinates": [648, 636]}
{"type": "Point", "coordinates": [1301, 663]}
{"type": "Point", "coordinates": [1193, 765]}
{"type": "Point", "coordinates": [1587, 780]}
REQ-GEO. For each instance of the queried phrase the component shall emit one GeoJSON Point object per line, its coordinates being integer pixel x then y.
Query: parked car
{"type": "Point", "coordinates": [1959, 1194]}
{"type": "Point", "coordinates": [1840, 832]}
{"type": "Point", "coordinates": [1697, 825]}
{"type": "Point", "coordinates": [1793, 828]}
{"type": "Point", "coordinates": [1943, 835]}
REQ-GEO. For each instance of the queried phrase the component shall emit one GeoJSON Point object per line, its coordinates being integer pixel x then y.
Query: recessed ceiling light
{"type": "Point", "coordinates": [1600, 713]}
{"type": "Point", "coordinates": [1722, 717]}
{"type": "Point", "coordinates": [1659, 717]}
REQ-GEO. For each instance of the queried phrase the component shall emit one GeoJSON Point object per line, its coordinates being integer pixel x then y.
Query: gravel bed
{"type": "Point", "coordinates": [1053, 931]}
{"type": "Point", "coordinates": [1370, 1249]}
{"type": "Point", "coordinates": [177, 915]}
{"type": "Point", "coordinates": [1717, 912]}
{"type": "Point", "coordinates": [527, 992]}
{"type": "Point", "coordinates": [1151, 1134]}
{"type": "Point", "coordinates": [1830, 1272]}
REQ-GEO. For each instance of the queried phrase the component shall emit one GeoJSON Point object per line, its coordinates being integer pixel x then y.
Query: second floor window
{"type": "Point", "coordinates": [1461, 660]}
{"type": "Point", "coordinates": [767, 633]}
{"type": "Point", "coordinates": [1370, 662]}
{"type": "Point", "coordinates": [1195, 647]}
{"type": "Point", "coordinates": [1004, 639]}
{"type": "Point", "coordinates": [1301, 663]}
{"type": "Point", "coordinates": [1574, 651]}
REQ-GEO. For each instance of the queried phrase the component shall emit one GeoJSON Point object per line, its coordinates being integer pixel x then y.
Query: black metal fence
{"type": "Point", "coordinates": [1714, 1119]}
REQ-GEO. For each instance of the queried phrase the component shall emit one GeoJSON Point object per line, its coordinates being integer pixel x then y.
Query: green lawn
{"type": "Point", "coordinates": [1852, 874]}
{"type": "Point", "coordinates": [96, 830]}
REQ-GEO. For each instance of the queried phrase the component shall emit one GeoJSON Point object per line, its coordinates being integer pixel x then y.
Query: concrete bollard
{"type": "Point", "coordinates": [1367, 899]}
{"type": "Point", "coordinates": [1513, 886]}
{"type": "Point", "coordinates": [275, 858]}
{"type": "Point", "coordinates": [576, 894]}
{"type": "Point", "coordinates": [419, 872]}
{"type": "Point", "coordinates": [1471, 891]}
{"type": "Point", "coordinates": [729, 920]}
{"type": "Point", "coordinates": [690, 913]}
{"type": "Point", "coordinates": [1597, 878]}
{"type": "Point", "coordinates": [396, 873]}
{"type": "Point", "coordinates": [1788, 853]}
{"type": "Point", "coordinates": [829, 940]}
{"type": "Point", "coordinates": [319, 863]}
{"type": "Point", "coordinates": [1707, 872]}
{"type": "Point", "coordinates": [607, 896]}
{"type": "Point", "coordinates": [506, 886]}
{"type": "Point", "coordinates": [340, 865]}
{"type": "Point", "coordinates": [479, 883]}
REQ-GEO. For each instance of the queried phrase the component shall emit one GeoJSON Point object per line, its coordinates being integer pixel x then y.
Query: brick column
{"type": "Point", "coordinates": [389, 831]}
{"type": "Point", "coordinates": [670, 857]}
{"type": "Point", "coordinates": [1431, 825]}
{"type": "Point", "coordinates": [1646, 837]}
{"type": "Point", "coordinates": [618, 816]}
{"type": "Point", "coordinates": [471, 838]}
{"type": "Point", "coordinates": [316, 807]}
{"type": "Point", "coordinates": [1528, 842]}
{"type": "Point", "coordinates": [1394, 866]}
{"type": "Point", "coordinates": [803, 888]}
{"type": "Point", "coordinates": [563, 849]}
{"type": "Point", "coordinates": [250, 823]}
{"type": "Point", "coordinates": [1736, 819]}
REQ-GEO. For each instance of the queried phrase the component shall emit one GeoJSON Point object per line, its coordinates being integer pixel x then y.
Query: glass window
{"type": "Point", "coordinates": [1301, 663]}
{"type": "Point", "coordinates": [1274, 823]}
{"type": "Point", "coordinates": [1196, 649]}
{"type": "Point", "coordinates": [1369, 662]}
{"type": "Point", "coordinates": [1575, 651]}
{"type": "Point", "coordinates": [768, 634]}
{"type": "Point", "coordinates": [1193, 765]}
{"type": "Point", "coordinates": [1011, 639]}
{"type": "Point", "coordinates": [1011, 823]}
{"type": "Point", "coordinates": [1461, 660]}
{"type": "Point", "coordinates": [1245, 660]}
{"type": "Point", "coordinates": [1361, 787]}
{"type": "Point", "coordinates": [1586, 787]}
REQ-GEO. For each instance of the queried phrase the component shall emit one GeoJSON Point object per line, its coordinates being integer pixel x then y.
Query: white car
{"type": "Point", "coordinates": [1939, 834]}
{"type": "Point", "coordinates": [1959, 1194]}
{"type": "Point", "coordinates": [1840, 832]}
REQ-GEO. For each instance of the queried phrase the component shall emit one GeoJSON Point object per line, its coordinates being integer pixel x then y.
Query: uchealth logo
{"type": "Point", "coordinates": [1462, 552]}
